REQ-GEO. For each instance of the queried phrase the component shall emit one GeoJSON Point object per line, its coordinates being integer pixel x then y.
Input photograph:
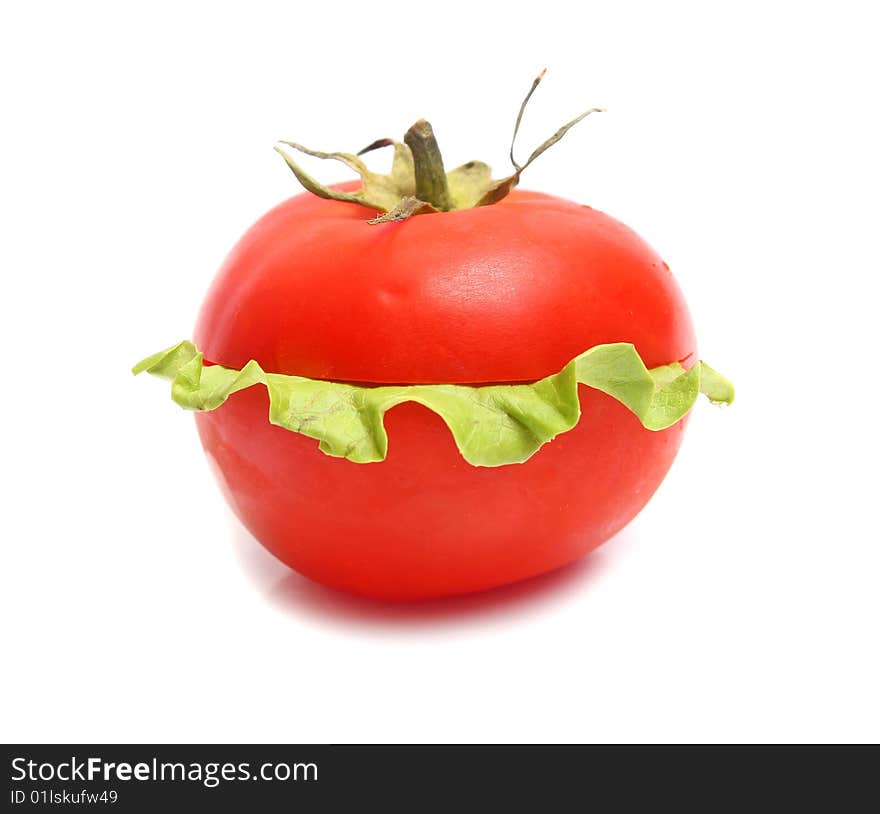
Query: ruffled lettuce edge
{"type": "Point", "coordinates": [493, 425]}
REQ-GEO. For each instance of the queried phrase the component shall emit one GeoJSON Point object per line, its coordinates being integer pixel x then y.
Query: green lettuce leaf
{"type": "Point", "coordinates": [492, 425]}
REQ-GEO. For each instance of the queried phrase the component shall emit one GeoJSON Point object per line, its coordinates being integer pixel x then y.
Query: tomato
{"type": "Point", "coordinates": [496, 294]}
{"type": "Point", "coordinates": [503, 293]}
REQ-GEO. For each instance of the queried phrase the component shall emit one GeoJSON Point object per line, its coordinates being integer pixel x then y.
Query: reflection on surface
{"type": "Point", "coordinates": [296, 595]}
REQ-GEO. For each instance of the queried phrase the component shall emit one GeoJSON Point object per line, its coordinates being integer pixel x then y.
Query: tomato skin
{"type": "Point", "coordinates": [504, 293]}
{"type": "Point", "coordinates": [424, 523]}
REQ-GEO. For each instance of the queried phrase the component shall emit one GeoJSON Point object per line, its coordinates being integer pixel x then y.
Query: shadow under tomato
{"type": "Point", "coordinates": [294, 594]}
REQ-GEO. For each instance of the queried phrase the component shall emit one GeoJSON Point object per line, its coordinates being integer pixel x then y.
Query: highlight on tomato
{"type": "Point", "coordinates": [498, 379]}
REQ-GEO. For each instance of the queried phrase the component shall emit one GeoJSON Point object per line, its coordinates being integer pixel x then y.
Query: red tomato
{"type": "Point", "coordinates": [504, 293]}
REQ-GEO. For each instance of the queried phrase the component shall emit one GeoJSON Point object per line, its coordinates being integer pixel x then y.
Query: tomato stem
{"type": "Point", "coordinates": [431, 184]}
{"type": "Point", "coordinates": [418, 182]}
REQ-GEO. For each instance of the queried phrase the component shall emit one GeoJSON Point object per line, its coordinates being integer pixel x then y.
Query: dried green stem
{"type": "Point", "coordinates": [418, 182]}
{"type": "Point", "coordinates": [519, 115]}
{"type": "Point", "coordinates": [431, 184]}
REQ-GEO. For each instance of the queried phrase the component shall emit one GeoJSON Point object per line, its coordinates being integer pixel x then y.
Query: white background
{"type": "Point", "coordinates": [741, 141]}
